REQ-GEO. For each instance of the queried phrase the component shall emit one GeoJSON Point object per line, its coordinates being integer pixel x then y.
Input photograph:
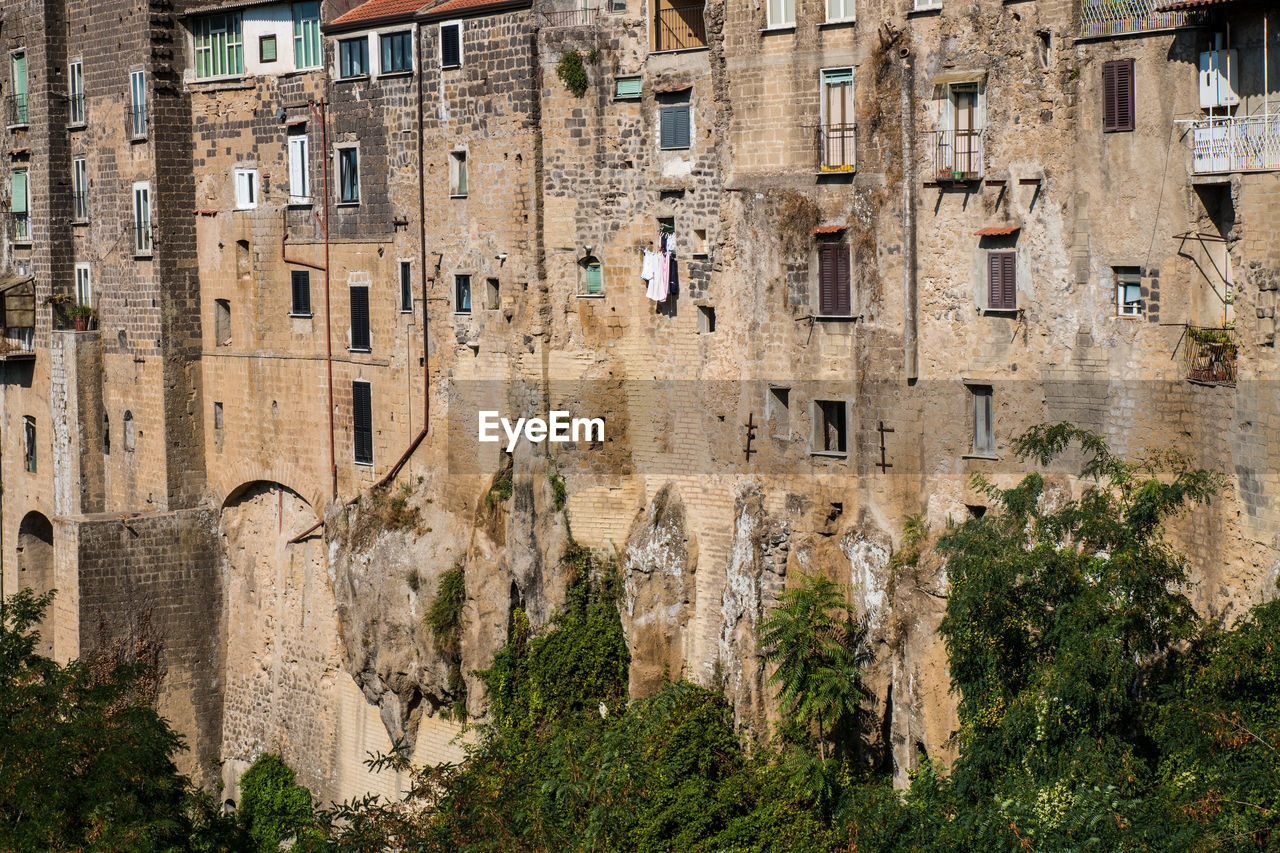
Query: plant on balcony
{"type": "Point", "coordinates": [83, 316]}
{"type": "Point", "coordinates": [572, 72]}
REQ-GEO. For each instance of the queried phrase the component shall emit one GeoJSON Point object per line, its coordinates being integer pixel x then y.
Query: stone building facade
{"type": "Point", "coordinates": [902, 232]}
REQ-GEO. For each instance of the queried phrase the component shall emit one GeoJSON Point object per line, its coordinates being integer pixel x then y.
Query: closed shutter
{"type": "Point", "coordinates": [301, 292]}
{"type": "Point", "coordinates": [675, 126]}
{"type": "Point", "coordinates": [1002, 281]}
{"type": "Point", "coordinates": [834, 294]}
{"type": "Point", "coordinates": [360, 318]}
{"type": "Point", "coordinates": [299, 167]}
{"type": "Point", "coordinates": [843, 289]}
{"type": "Point", "coordinates": [18, 193]}
{"type": "Point", "coordinates": [1117, 95]}
{"type": "Point", "coordinates": [362, 421]}
{"type": "Point", "coordinates": [595, 278]}
{"type": "Point", "coordinates": [450, 45]}
{"type": "Point", "coordinates": [628, 87]}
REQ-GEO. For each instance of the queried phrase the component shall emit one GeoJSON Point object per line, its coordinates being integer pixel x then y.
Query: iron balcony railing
{"type": "Point", "coordinates": [75, 104]}
{"type": "Point", "coordinates": [15, 110]}
{"type": "Point", "coordinates": [136, 119]}
{"type": "Point", "coordinates": [1117, 17]}
{"type": "Point", "coordinates": [1235, 144]}
{"type": "Point", "coordinates": [955, 155]}
{"type": "Point", "coordinates": [837, 147]}
{"type": "Point", "coordinates": [680, 28]}
{"type": "Point", "coordinates": [1209, 356]}
{"type": "Point", "coordinates": [17, 340]}
{"type": "Point", "coordinates": [80, 206]}
{"type": "Point", "coordinates": [142, 238]}
{"type": "Point", "coordinates": [569, 18]}
{"type": "Point", "coordinates": [22, 227]}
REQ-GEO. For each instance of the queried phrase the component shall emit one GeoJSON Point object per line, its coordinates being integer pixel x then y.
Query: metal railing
{"type": "Point", "coordinates": [1117, 17]}
{"type": "Point", "coordinates": [569, 18]}
{"type": "Point", "coordinates": [680, 28]}
{"type": "Point", "coordinates": [22, 227]}
{"type": "Point", "coordinates": [80, 206]}
{"type": "Point", "coordinates": [955, 155]}
{"type": "Point", "coordinates": [17, 340]}
{"type": "Point", "coordinates": [1235, 144]}
{"type": "Point", "coordinates": [1209, 355]}
{"type": "Point", "coordinates": [141, 234]}
{"type": "Point", "coordinates": [837, 147]}
{"type": "Point", "coordinates": [136, 118]}
{"type": "Point", "coordinates": [75, 104]}
{"type": "Point", "coordinates": [15, 110]}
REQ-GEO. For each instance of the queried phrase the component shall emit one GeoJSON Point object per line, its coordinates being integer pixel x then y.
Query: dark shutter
{"type": "Point", "coordinates": [1002, 281]}
{"type": "Point", "coordinates": [675, 126]}
{"type": "Point", "coordinates": [843, 289]}
{"type": "Point", "coordinates": [362, 421]}
{"type": "Point", "coordinates": [834, 292]}
{"type": "Point", "coordinates": [450, 45]}
{"type": "Point", "coordinates": [301, 280]}
{"type": "Point", "coordinates": [1117, 95]}
{"type": "Point", "coordinates": [360, 318]}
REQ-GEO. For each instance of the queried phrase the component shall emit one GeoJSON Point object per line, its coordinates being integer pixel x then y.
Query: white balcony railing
{"type": "Point", "coordinates": [1231, 144]}
{"type": "Point", "coordinates": [1116, 17]}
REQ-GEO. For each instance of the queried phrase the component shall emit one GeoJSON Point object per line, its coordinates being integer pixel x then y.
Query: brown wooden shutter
{"type": "Point", "coordinates": [842, 280]}
{"type": "Point", "coordinates": [827, 278]}
{"type": "Point", "coordinates": [1117, 95]}
{"type": "Point", "coordinates": [994, 291]}
{"type": "Point", "coordinates": [1002, 281]}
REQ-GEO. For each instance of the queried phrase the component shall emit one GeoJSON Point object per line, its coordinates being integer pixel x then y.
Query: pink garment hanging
{"type": "Point", "coordinates": [664, 275]}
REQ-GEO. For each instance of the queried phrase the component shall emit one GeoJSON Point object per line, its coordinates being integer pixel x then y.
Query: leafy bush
{"type": "Point", "coordinates": [273, 807]}
{"type": "Point", "coordinates": [572, 72]}
{"type": "Point", "coordinates": [444, 618]}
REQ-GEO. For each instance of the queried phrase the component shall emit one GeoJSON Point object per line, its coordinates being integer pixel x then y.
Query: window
{"type": "Point", "coordinates": [406, 287]}
{"type": "Point", "coordinates": [300, 284]}
{"type": "Point", "coordinates": [217, 415]}
{"type": "Point", "coordinates": [75, 92]}
{"type": "Point", "coordinates": [457, 174]}
{"type": "Point", "coordinates": [348, 176]}
{"type": "Point", "coordinates": [462, 294]}
{"type": "Point", "coordinates": [617, 6]}
{"type": "Point", "coordinates": [267, 51]}
{"type": "Point", "coordinates": [781, 13]}
{"type": "Point", "coordinates": [984, 436]}
{"type": "Point", "coordinates": [222, 322]}
{"type": "Point", "coordinates": [829, 427]}
{"type": "Point", "coordinates": [29, 442]}
{"type": "Point", "coordinates": [138, 103]}
{"type": "Point", "coordinates": [360, 318]}
{"type": "Point", "coordinates": [1044, 49]}
{"type": "Point", "coordinates": [246, 188]}
{"type": "Point", "coordinates": [397, 53]}
{"type": "Point", "coordinates": [838, 128]}
{"type": "Point", "coordinates": [18, 76]}
{"type": "Point", "coordinates": [84, 285]}
{"type": "Point", "coordinates": [306, 35]}
{"type": "Point", "coordinates": [492, 294]}
{"type": "Point", "coordinates": [219, 45]}
{"type": "Point", "coordinates": [1117, 95]}
{"type": "Point", "coordinates": [79, 190]}
{"type": "Point", "coordinates": [592, 276]}
{"type": "Point", "coordinates": [106, 434]}
{"type": "Point", "coordinates": [362, 422]}
{"type": "Point", "coordinates": [353, 57]}
{"type": "Point", "coordinates": [1128, 291]}
{"type": "Point", "coordinates": [1002, 281]}
{"type": "Point", "coordinates": [778, 412]}
{"type": "Point", "coordinates": [834, 285]}
{"type": "Point", "coordinates": [627, 88]}
{"type": "Point", "coordinates": [928, 4]}
{"type": "Point", "coordinates": [299, 169]}
{"type": "Point", "coordinates": [706, 319]}
{"type": "Point", "coordinates": [20, 205]}
{"type": "Point", "coordinates": [674, 121]}
{"type": "Point", "coordinates": [451, 45]}
{"type": "Point", "coordinates": [840, 10]}
{"type": "Point", "coordinates": [130, 432]}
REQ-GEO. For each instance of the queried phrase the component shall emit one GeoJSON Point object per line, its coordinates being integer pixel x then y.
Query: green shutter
{"type": "Point", "coordinates": [627, 87]}
{"type": "Point", "coordinates": [595, 279]}
{"type": "Point", "coordinates": [18, 195]}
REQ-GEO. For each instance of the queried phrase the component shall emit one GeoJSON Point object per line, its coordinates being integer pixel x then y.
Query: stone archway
{"type": "Point", "coordinates": [35, 567]}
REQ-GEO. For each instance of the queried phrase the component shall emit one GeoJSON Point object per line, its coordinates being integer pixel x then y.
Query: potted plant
{"type": "Point", "coordinates": [83, 316]}
{"type": "Point", "coordinates": [60, 302]}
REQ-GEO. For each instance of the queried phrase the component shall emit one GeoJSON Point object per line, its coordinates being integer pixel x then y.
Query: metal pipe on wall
{"type": "Point", "coordinates": [910, 365]}
{"type": "Point", "coordinates": [319, 113]}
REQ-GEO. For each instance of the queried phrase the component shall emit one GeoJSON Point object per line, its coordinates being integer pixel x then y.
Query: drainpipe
{"type": "Point", "coordinates": [422, 247]}
{"type": "Point", "coordinates": [909, 338]}
{"type": "Point", "coordinates": [319, 112]}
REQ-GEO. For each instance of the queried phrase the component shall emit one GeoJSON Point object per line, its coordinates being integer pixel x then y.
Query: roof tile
{"type": "Point", "coordinates": [377, 9]}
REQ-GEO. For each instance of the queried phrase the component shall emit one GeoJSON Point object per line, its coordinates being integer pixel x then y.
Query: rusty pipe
{"type": "Point", "coordinates": [319, 113]}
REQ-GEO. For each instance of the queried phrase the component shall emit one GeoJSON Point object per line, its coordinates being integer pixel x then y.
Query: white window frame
{"type": "Point", "coordinates": [783, 17]}
{"type": "Point", "coordinates": [337, 153]}
{"type": "Point", "coordinates": [299, 169]}
{"type": "Point", "coordinates": [84, 284]}
{"type": "Point", "coordinates": [79, 188]}
{"type": "Point", "coordinates": [848, 6]}
{"type": "Point", "coordinates": [138, 103]}
{"type": "Point", "coordinates": [246, 187]}
{"type": "Point", "coordinates": [142, 245]}
{"type": "Point", "coordinates": [459, 173]}
{"type": "Point", "coordinates": [75, 93]}
{"type": "Point", "coordinates": [1125, 280]}
{"type": "Point", "coordinates": [440, 48]}
{"type": "Point", "coordinates": [927, 5]}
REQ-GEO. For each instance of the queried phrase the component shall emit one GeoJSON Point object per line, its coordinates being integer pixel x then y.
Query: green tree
{"type": "Point", "coordinates": [273, 806]}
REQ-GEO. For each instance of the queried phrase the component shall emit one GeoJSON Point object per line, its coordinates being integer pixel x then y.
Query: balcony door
{"type": "Point", "coordinates": [837, 120]}
{"type": "Point", "coordinates": [966, 125]}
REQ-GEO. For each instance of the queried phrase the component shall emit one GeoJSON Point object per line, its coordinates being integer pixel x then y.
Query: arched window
{"type": "Point", "coordinates": [130, 433]}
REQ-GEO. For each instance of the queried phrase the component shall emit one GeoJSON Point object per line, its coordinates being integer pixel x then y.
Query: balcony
{"type": "Point", "coordinates": [18, 343]}
{"type": "Point", "coordinates": [75, 107]}
{"type": "Point", "coordinates": [1235, 144]}
{"type": "Point", "coordinates": [955, 156]}
{"type": "Point", "coordinates": [17, 317]}
{"type": "Point", "coordinates": [1119, 17]}
{"type": "Point", "coordinates": [584, 17]}
{"type": "Point", "coordinates": [15, 111]}
{"type": "Point", "coordinates": [140, 233]}
{"type": "Point", "coordinates": [136, 122]}
{"type": "Point", "coordinates": [1209, 356]}
{"type": "Point", "coordinates": [679, 28]}
{"type": "Point", "coordinates": [837, 147]}
{"type": "Point", "coordinates": [21, 227]}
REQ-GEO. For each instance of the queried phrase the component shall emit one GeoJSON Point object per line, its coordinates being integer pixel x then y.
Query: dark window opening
{"type": "Point", "coordinates": [462, 294]}
{"type": "Point", "coordinates": [301, 287]}
{"type": "Point", "coordinates": [217, 416]}
{"type": "Point", "coordinates": [222, 322]}
{"type": "Point", "coordinates": [29, 443]}
{"type": "Point", "coordinates": [829, 426]}
{"type": "Point", "coordinates": [362, 422]}
{"type": "Point", "coordinates": [130, 432]}
{"type": "Point", "coordinates": [353, 57]}
{"type": "Point", "coordinates": [706, 319]}
{"type": "Point", "coordinates": [492, 294]}
{"type": "Point", "coordinates": [406, 287]}
{"type": "Point", "coordinates": [450, 45]}
{"type": "Point", "coordinates": [360, 319]}
{"type": "Point", "coordinates": [984, 435]}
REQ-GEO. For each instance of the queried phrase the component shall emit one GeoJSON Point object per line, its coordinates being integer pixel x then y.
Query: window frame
{"type": "Point", "coordinates": [230, 64]}
{"type": "Point", "coordinates": [404, 271]}
{"type": "Point", "coordinates": [357, 457]}
{"type": "Point", "coordinates": [842, 76]}
{"type": "Point", "coordinates": [838, 245]}
{"type": "Point", "coordinates": [21, 213]}
{"type": "Point", "coordinates": [24, 91]}
{"type": "Point", "coordinates": [343, 55]}
{"type": "Point", "coordinates": [367, 329]}
{"type": "Point", "coordinates": [299, 171]}
{"type": "Point", "coordinates": [249, 199]}
{"type": "Point", "coordinates": [783, 5]}
{"type": "Point", "coordinates": [142, 221]}
{"type": "Point", "coordinates": [617, 82]}
{"type": "Point", "coordinates": [296, 309]}
{"type": "Point", "coordinates": [341, 151]}
{"type": "Point", "coordinates": [458, 279]}
{"type": "Point", "coordinates": [30, 446]}
{"type": "Point", "coordinates": [982, 420]}
{"type": "Point", "coordinates": [383, 38]}
{"type": "Point", "coordinates": [1126, 277]}
{"type": "Point", "coordinates": [674, 109]}
{"type": "Point", "coordinates": [459, 174]}
{"type": "Point", "coordinates": [817, 435]}
{"type": "Point", "coordinates": [1118, 75]}
{"type": "Point", "coordinates": [79, 189]}
{"type": "Point", "coordinates": [275, 48]}
{"type": "Point", "coordinates": [77, 109]}
{"type": "Point", "coordinates": [84, 276]}
{"type": "Point", "coordinates": [992, 255]}
{"type": "Point", "coordinates": [307, 27]}
{"type": "Point", "coordinates": [461, 59]}
{"type": "Point", "coordinates": [138, 118]}
{"type": "Point", "coordinates": [846, 19]}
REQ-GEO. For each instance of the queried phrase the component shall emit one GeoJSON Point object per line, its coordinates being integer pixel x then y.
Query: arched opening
{"type": "Point", "coordinates": [35, 566]}
{"type": "Point", "coordinates": [130, 432]}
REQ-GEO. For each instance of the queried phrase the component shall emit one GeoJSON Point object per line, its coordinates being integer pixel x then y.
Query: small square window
{"type": "Point", "coordinates": [706, 319]}
{"type": "Point", "coordinates": [627, 88]}
{"type": "Point", "coordinates": [457, 174]}
{"type": "Point", "coordinates": [778, 412]}
{"type": "Point", "coordinates": [267, 49]}
{"type": "Point", "coordinates": [1128, 291]}
{"type": "Point", "coordinates": [829, 427]}
{"type": "Point", "coordinates": [462, 294]}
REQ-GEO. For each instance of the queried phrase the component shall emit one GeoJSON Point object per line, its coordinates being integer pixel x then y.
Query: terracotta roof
{"type": "Point", "coordinates": [376, 10]}
{"type": "Point", "coordinates": [828, 229]}
{"type": "Point", "coordinates": [1181, 5]}
{"type": "Point", "coordinates": [998, 230]}
{"type": "Point", "coordinates": [453, 8]}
